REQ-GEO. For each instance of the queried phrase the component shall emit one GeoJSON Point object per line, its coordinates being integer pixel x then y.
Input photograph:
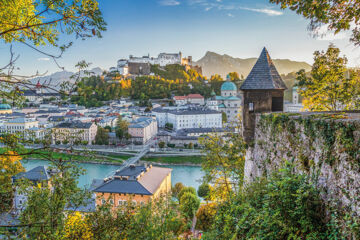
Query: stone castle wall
{"type": "Point", "coordinates": [325, 146]}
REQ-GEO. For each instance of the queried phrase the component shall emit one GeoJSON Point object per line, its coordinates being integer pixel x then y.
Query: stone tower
{"type": "Point", "coordinates": [263, 91]}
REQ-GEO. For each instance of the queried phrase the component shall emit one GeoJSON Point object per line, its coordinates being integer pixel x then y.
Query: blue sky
{"type": "Point", "coordinates": [239, 28]}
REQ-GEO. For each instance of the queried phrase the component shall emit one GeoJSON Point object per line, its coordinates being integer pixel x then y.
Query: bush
{"type": "Point", "coordinates": [177, 189]}
{"type": "Point", "coordinates": [283, 206]}
{"type": "Point", "coordinates": [171, 145]}
{"type": "Point", "coordinates": [204, 191]}
{"type": "Point", "coordinates": [161, 144]}
{"type": "Point", "coordinates": [205, 216]}
{"type": "Point", "coordinates": [189, 204]}
{"type": "Point", "coordinates": [185, 190]}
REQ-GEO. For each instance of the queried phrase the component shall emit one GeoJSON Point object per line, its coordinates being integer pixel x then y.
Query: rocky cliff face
{"type": "Point", "coordinates": [325, 145]}
{"type": "Point", "coordinates": [213, 63]}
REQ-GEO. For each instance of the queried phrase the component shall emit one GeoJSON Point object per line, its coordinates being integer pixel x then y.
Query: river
{"type": "Point", "coordinates": [188, 175]}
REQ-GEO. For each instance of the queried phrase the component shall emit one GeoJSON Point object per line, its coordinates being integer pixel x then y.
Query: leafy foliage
{"type": "Point", "coordinates": [189, 204]}
{"type": "Point", "coordinates": [283, 206]}
{"type": "Point", "coordinates": [102, 136]}
{"type": "Point", "coordinates": [337, 15]}
{"type": "Point", "coordinates": [328, 87]}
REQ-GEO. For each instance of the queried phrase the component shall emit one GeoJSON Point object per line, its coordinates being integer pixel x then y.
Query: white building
{"type": "Point", "coordinates": [188, 118]}
{"type": "Point", "coordinates": [26, 127]}
{"type": "Point", "coordinates": [229, 102]}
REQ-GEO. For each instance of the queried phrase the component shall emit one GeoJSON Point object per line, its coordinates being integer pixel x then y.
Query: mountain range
{"type": "Point", "coordinates": [214, 63]}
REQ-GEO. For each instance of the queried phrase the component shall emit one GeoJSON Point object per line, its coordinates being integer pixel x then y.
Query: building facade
{"type": "Point", "coordinates": [192, 117]}
{"type": "Point", "coordinates": [189, 99]}
{"type": "Point", "coordinates": [73, 132]}
{"type": "Point", "coordinates": [142, 129]}
{"type": "Point", "coordinates": [136, 184]}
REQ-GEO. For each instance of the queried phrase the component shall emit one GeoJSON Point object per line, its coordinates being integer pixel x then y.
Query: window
{"type": "Point", "coordinates": [111, 201]}
{"type": "Point", "coordinates": [251, 107]}
{"type": "Point", "coordinates": [103, 201]}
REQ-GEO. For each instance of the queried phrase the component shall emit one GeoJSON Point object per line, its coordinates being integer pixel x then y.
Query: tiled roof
{"type": "Point", "coordinates": [195, 96]}
{"type": "Point", "coordinates": [36, 174]}
{"type": "Point", "coordinates": [263, 75]}
{"type": "Point", "coordinates": [135, 180]}
{"type": "Point", "coordinates": [74, 124]}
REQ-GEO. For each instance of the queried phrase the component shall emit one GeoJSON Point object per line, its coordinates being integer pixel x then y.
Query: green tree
{"type": "Point", "coordinates": [189, 204]}
{"type": "Point", "coordinates": [102, 136]}
{"type": "Point", "coordinates": [223, 164]}
{"type": "Point", "coordinates": [161, 144]}
{"type": "Point", "coordinates": [224, 117]}
{"type": "Point", "coordinates": [330, 86]}
{"type": "Point", "coordinates": [169, 126]}
{"type": "Point", "coordinates": [122, 127]}
{"type": "Point", "coordinates": [108, 128]}
{"type": "Point", "coordinates": [177, 189]}
{"type": "Point", "coordinates": [204, 191]}
{"type": "Point", "coordinates": [336, 15]}
{"type": "Point", "coordinates": [186, 190]}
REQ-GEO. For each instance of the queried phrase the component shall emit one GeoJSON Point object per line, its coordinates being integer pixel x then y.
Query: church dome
{"type": "Point", "coordinates": [5, 107]}
{"type": "Point", "coordinates": [228, 86]}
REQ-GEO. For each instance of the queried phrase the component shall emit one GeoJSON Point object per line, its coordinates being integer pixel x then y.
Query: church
{"type": "Point", "coordinates": [229, 102]}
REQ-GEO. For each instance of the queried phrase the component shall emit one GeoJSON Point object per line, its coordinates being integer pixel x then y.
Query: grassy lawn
{"type": "Point", "coordinates": [78, 156]}
{"type": "Point", "coordinates": [176, 160]}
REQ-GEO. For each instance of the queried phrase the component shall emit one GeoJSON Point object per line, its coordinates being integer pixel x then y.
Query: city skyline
{"type": "Point", "coordinates": [236, 28]}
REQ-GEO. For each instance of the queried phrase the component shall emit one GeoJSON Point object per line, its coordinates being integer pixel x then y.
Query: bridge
{"type": "Point", "coordinates": [131, 160]}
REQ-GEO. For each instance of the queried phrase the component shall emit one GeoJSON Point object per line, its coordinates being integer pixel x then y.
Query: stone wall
{"type": "Point", "coordinates": [324, 145]}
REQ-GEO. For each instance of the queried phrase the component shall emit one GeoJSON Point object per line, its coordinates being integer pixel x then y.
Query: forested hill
{"type": "Point", "coordinates": [213, 63]}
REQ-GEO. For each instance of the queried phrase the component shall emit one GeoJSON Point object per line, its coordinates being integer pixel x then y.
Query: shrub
{"type": "Point", "coordinates": [177, 189]}
{"type": "Point", "coordinates": [189, 204]}
{"type": "Point", "coordinates": [185, 190]}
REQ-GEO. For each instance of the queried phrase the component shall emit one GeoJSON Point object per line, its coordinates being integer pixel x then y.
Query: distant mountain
{"type": "Point", "coordinates": [213, 63]}
{"type": "Point", "coordinates": [54, 80]}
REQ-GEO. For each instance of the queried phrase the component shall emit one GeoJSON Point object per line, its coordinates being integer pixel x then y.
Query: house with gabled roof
{"type": "Point", "coordinates": [139, 184]}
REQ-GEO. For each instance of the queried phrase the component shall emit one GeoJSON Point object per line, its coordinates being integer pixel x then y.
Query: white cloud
{"type": "Point", "coordinates": [43, 59]}
{"type": "Point", "coordinates": [208, 8]}
{"type": "Point", "coordinates": [169, 2]}
{"type": "Point", "coordinates": [323, 33]}
{"type": "Point", "coordinates": [267, 11]}
{"type": "Point", "coordinates": [230, 15]}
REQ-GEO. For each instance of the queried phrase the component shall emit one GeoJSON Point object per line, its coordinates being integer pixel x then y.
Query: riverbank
{"type": "Point", "coordinates": [178, 160]}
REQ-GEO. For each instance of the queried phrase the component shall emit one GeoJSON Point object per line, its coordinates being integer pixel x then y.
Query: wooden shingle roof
{"type": "Point", "coordinates": [263, 75]}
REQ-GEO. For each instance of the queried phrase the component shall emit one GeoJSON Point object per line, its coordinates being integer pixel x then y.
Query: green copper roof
{"type": "Point", "coordinates": [4, 106]}
{"type": "Point", "coordinates": [228, 86]}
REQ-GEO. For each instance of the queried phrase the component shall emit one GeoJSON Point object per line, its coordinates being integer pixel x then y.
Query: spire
{"type": "Point", "coordinates": [263, 75]}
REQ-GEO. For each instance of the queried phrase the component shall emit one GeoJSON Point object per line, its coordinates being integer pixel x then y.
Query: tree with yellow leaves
{"type": "Point", "coordinates": [10, 165]}
{"type": "Point", "coordinates": [76, 227]}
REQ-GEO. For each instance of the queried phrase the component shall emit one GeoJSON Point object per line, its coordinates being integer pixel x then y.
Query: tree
{"type": "Point", "coordinates": [186, 190]}
{"type": "Point", "coordinates": [234, 76]}
{"type": "Point", "coordinates": [10, 165]}
{"type": "Point", "coordinates": [204, 191]}
{"type": "Point", "coordinates": [189, 204]}
{"type": "Point", "coordinates": [206, 217]}
{"type": "Point", "coordinates": [161, 144]}
{"type": "Point", "coordinates": [190, 146]}
{"type": "Point", "coordinates": [102, 136]}
{"type": "Point", "coordinates": [223, 164]}
{"type": "Point", "coordinates": [76, 227]}
{"type": "Point", "coordinates": [122, 127]}
{"type": "Point", "coordinates": [108, 128]}
{"type": "Point", "coordinates": [336, 15]}
{"type": "Point", "coordinates": [330, 86]}
{"type": "Point", "coordinates": [169, 126]}
{"type": "Point", "coordinates": [224, 117]}
{"type": "Point", "coordinates": [177, 189]}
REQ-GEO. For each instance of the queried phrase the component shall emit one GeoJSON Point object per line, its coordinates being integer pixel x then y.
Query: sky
{"type": "Point", "coordinates": [239, 28]}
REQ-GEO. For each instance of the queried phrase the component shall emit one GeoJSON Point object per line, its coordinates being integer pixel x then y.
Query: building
{"type": "Point", "coordinates": [142, 129]}
{"type": "Point", "coordinates": [191, 117]}
{"type": "Point", "coordinates": [37, 175]}
{"type": "Point", "coordinates": [229, 102]}
{"type": "Point", "coordinates": [5, 109]}
{"type": "Point", "coordinates": [189, 99]}
{"type": "Point", "coordinates": [139, 184]}
{"type": "Point", "coordinates": [73, 132]}
{"type": "Point", "coordinates": [263, 91]}
{"type": "Point", "coordinates": [21, 126]}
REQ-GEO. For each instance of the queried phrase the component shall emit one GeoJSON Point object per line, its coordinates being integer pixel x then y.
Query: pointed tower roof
{"type": "Point", "coordinates": [263, 75]}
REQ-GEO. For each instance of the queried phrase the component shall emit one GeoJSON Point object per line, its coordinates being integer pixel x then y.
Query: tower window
{"type": "Point", "coordinates": [251, 107]}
